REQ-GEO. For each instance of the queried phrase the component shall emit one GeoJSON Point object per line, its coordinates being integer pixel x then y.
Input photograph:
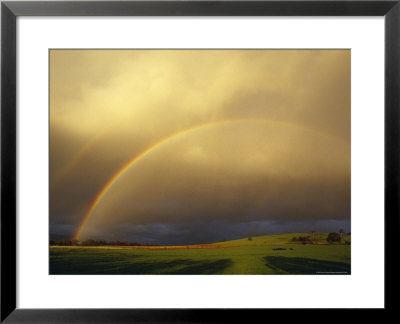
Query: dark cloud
{"type": "Point", "coordinates": [279, 162]}
{"type": "Point", "coordinates": [198, 232]}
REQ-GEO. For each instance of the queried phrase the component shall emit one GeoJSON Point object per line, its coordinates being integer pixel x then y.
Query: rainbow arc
{"type": "Point", "coordinates": [114, 179]}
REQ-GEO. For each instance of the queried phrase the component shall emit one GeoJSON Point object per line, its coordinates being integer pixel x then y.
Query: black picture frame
{"type": "Point", "coordinates": [10, 10]}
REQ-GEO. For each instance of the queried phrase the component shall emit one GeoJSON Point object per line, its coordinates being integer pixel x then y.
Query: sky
{"type": "Point", "coordinates": [198, 146]}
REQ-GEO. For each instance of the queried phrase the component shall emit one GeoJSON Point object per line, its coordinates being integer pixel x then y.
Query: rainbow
{"type": "Point", "coordinates": [80, 155]}
{"type": "Point", "coordinates": [164, 141]}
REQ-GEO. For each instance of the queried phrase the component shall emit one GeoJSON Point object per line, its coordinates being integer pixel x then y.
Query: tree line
{"type": "Point", "coordinates": [332, 237]}
{"type": "Point", "coordinates": [96, 243]}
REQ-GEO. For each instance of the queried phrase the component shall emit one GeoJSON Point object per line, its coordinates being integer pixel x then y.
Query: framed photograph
{"type": "Point", "coordinates": [161, 158]}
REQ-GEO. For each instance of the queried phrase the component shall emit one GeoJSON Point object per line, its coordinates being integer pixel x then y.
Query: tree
{"type": "Point", "coordinates": [333, 237]}
{"type": "Point", "coordinates": [313, 234]}
{"type": "Point", "coordinates": [341, 231]}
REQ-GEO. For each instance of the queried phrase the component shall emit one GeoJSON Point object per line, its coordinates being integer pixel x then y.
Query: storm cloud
{"type": "Point", "coordinates": [237, 142]}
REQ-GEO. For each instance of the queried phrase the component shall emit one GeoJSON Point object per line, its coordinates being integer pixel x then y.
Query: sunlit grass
{"type": "Point", "coordinates": [271, 254]}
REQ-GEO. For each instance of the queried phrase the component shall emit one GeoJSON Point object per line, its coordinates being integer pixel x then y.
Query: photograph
{"type": "Point", "coordinates": [199, 161]}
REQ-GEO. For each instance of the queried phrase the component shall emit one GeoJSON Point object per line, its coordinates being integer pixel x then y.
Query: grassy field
{"type": "Point", "coordinates": [270, 254]}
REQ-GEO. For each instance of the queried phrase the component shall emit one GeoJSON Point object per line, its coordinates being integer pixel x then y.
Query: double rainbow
{"type": "Point", "coordinates": [108, 185]}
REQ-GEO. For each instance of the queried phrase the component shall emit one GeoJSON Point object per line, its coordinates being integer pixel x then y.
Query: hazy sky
{"type": "Point", "coordinates": [195, 146]}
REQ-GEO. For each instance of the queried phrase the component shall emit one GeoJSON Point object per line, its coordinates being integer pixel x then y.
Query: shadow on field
{"type": "Point", "coordinates": [306, 265]}
{"type": "Point", "coordinates": [205, 267]}
{"type": "Point", "coordinates": [184, 266]}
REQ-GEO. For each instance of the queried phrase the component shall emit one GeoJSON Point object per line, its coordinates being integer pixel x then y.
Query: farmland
{"type": "Point", "coordinates": [269, 254]}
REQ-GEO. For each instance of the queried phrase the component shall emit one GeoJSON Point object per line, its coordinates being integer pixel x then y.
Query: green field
{"type": "Point", "coordinates": [270, 254]}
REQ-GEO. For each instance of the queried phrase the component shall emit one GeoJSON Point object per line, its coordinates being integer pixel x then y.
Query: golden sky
{"type": "Point", "coordinates": [192, 146]}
